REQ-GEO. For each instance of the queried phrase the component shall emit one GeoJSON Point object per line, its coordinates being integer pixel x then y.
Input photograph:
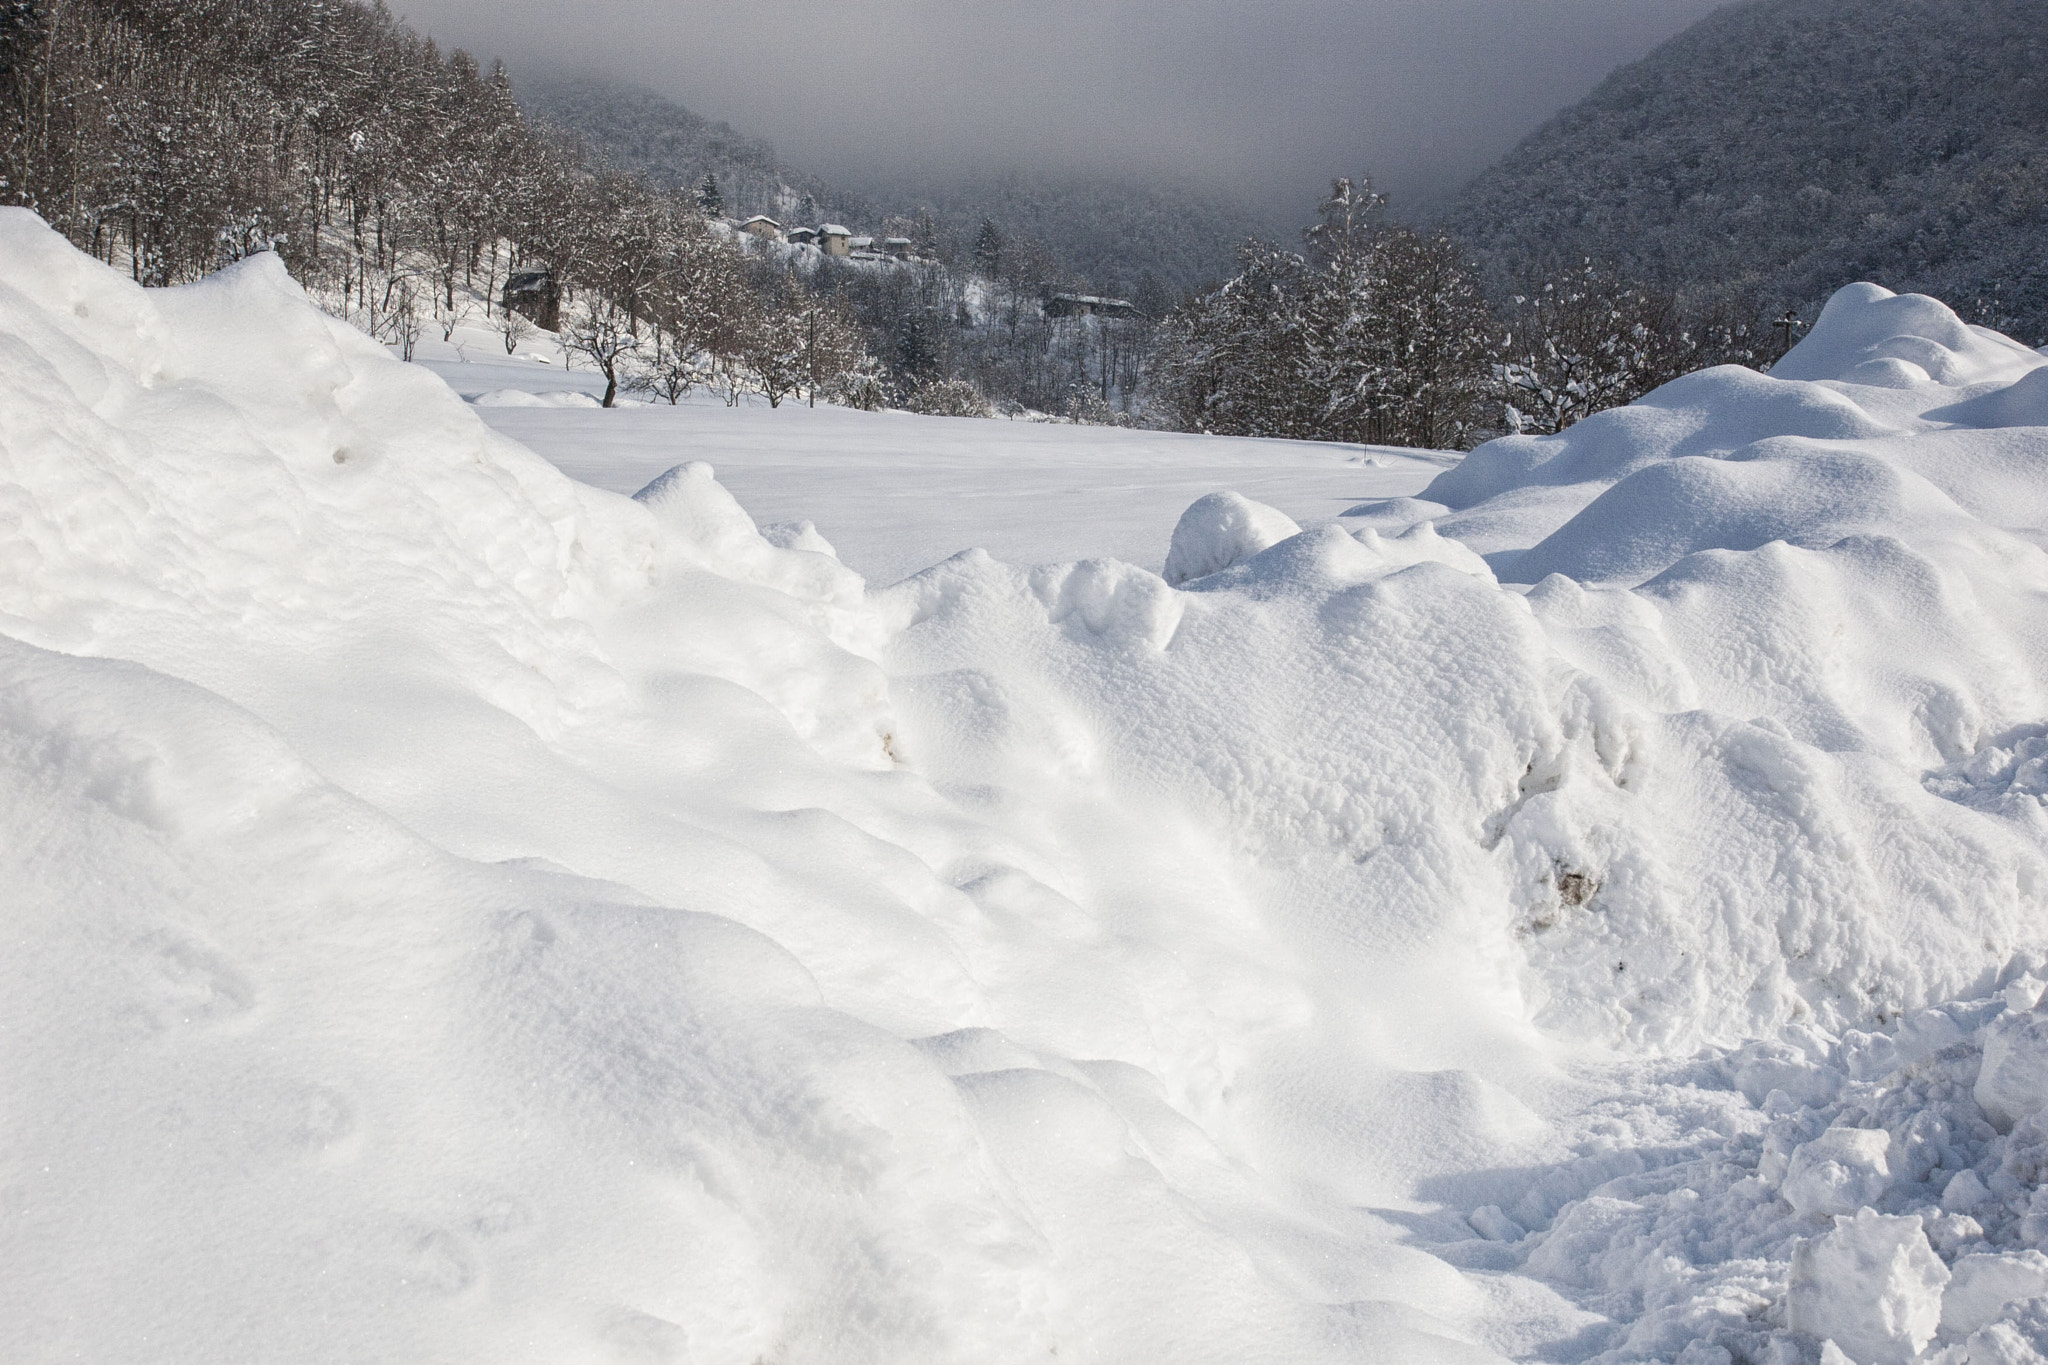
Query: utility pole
{"type": "Point", "coordinates": [1786, 326]}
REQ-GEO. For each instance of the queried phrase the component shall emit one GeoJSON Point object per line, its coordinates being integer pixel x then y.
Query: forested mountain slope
{"type": "Point", "coordinates": [1787, 147]}
{"type": "Point", "coordinates": [1108, 232]}
{"type": "Point", "coordinates": [674, 148]}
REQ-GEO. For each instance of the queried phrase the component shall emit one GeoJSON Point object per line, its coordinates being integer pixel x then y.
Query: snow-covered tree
{"type": "Point", "coordinates": [1377, 334]}
{"type": "Point", "coordinates": [988, 249]}
{"type": "Point", "coordinates": [1585, 338]}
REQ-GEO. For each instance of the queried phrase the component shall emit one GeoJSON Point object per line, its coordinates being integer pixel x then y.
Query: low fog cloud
{"type": "Point", "coordinates": [1261, 101]}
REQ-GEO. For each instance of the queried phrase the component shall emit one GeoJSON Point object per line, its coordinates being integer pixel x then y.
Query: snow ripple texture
{"type": "Point", "coordinates": [1591, 911]}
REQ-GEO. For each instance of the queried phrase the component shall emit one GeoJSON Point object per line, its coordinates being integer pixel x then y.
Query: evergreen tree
{"type": "Point", "coordinates": [919, 346]}
{"type": "Point", "coordinates": [1233, 363]}
{"type": "Point", "coordinates": [709, 200]}
{"type": "Point", "coordinates": [988, 249]}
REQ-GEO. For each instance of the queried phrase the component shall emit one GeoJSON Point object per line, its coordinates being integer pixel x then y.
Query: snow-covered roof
{"type": "Point", "coordinates": [834, 230]}
{"type": "Point", "coordinates": [761, 218]}
{"type": "Point", "coordinates": [895, 241]}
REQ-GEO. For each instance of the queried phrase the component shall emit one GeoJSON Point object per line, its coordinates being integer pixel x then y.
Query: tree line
{"type": "Point", "coordinates": [170, 137]}
{"type": "Point", "coordinates": [398, 183]}
{"type": "Point", "coordinates": [1380, 333]}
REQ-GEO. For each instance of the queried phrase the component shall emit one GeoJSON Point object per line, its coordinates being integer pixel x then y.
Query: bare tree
{"type": "Point", "coordinates": [671, 372]}
{"type": "Point", "coordinates": [514, 328]}
{"type": "Point", "coordinates": [602, 335]}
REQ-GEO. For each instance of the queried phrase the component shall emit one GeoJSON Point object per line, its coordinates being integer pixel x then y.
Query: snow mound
{"type": "Point", "coordinates": [1591, 911]}
{"type": "Point", "coordinates": [523, 398]}
{"type": "Point", "coordinates": [456, 914]}
{"type": "Point", "coordinates": [1222, 530]}
{"type": "Point", "coordinates": [1832, 441]}
{"type": "Point", "coordinates": [1682, 779]}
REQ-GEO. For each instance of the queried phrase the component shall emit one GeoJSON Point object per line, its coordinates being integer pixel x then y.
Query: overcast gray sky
{"type": "Point", "coordinates": [1264, 101]}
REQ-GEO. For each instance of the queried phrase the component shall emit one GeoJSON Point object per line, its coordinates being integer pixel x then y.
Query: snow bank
{"type": "Point", "coordinates": [1592, 911]}
{"type": "Point", "coordinates": [455, 914]}
{"type": "Point", "coordinates": [1712, 719]}
{"type": "Point", "coordinates": [523, 398]}
{"type": "Point", "coordinates": [1687, 782]}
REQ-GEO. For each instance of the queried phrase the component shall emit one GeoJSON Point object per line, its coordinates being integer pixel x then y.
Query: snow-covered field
{"type": "Point", "coordinates": [895, 493]}
{"type": "Point", "coordinates": [1589, 906]}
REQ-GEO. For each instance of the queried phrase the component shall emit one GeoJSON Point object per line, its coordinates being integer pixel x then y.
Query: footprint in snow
{"type": "Point", "coordinates": [637, 1338]}
{"type": "Point", "coordinates": [441, 1263]}
{"type": "Point", "coordinates": [324, 1118]}
{"type": "Point", "coordinates": [499, 1215]}
{"type": "Point", "coordinates": [187, 984]}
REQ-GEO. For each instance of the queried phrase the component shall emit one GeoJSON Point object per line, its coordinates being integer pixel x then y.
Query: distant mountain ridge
{"type": "Point", "coordinates": [674, 149]}
{"type": "Point", "coordinates": [1784, 148]}
{"type": "Point", "coordinates": [1108, 232]}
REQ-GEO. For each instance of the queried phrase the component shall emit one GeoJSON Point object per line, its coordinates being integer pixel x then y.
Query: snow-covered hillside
{"type": "Point", "coordinates": [1592, 908]}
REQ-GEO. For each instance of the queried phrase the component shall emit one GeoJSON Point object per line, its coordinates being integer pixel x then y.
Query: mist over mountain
{"type": "Point", "coordinates": [1105, 231]}
{"type": "Point", "coordinates": [1783, 148]}
{"type": "Point", "coordinates": [1111, 232]}
{"type": "Point", "coordinates": [674, 148]}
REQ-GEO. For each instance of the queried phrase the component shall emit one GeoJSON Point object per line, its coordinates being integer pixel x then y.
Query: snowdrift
{"type": "Point", "coordinates": [458, 914]}
{"type": "Point", "coordinates": [455, 914]}
{"type": "Point", "coordinates": [1699, 777]}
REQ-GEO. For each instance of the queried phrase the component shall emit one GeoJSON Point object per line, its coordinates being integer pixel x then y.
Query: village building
{"type": "Point", "coordinates": [1086, 305]}
{"type": "Point", "coordinates": [534, 295]}
{"type": "Point", "coordinates": [836, 239]}
{"type": "Point", "coordinates": [764, 227]}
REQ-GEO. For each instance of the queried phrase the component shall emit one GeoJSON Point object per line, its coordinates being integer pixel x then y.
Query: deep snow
{"type": "Point", "coordinates": [1590, 907]}
{"type": "Point", "coordinates": [894, 492]}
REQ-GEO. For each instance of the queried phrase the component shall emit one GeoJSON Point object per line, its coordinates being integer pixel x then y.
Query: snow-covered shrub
{"type": "Point", "coordinates": [1086, 405]}
{"type": "Point", "coordinates": [1377, 334]}
{"type": "Point", "coordinates": [864, 388]}
{"type": "Point", "coordinates": [948, 398]}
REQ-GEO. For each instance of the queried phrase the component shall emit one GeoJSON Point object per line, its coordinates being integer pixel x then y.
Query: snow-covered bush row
{"type": "Point", "coordinates": [455, 913]}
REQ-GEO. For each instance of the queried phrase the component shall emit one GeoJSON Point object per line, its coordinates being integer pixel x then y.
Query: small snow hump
{"type": "Point", "coordinates": [1222, 529]}
{"type": "Point", "coordinates": [1868, 335]}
